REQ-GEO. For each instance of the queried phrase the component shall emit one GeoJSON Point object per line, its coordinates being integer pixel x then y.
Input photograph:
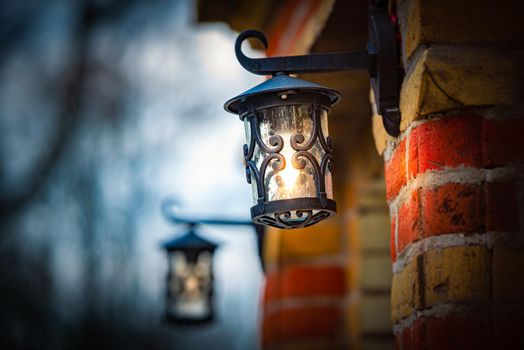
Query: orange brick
{"type": "Point", "coordinates": [412, 338]}
{"type": "Point", "coordinates": [502, 142]}
{"type": "Point", "coordinates": [305, 281]}
{"type": "Point", "coordinates": [395, 171]}
{"type": "Point", "coordinates": [409, 221]}
{"type": "Point", "coordinates": [301, 323]}
{"type": "Point", "coordinates": [412, 160]}
{"type": "Point", "coordinates": [447, 142]}
{"type": "Point", "coordinates": [457, 332]}
{"type": "Point", "coordinates": [502, 212]}
{"type": "Point", "coordinates": [392, 244]}
{"type": "Point", "coordinates": [453, 208]}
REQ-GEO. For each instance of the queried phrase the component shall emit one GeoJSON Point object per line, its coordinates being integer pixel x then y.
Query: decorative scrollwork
{"type": "Point", "coordinates": [321, 215]}
{"type": "Point", "coordinates": [278, 163]}
{"type": "Point", "coordinates": [302, 218]}
{"type": "Point", "coordinates": [299, 162]}
{"type": "Point", "coordinates": [325, 142]}
{"type": "Point", "coordinates": [297, 139]}
{"type": "Point", "coordinates": [270, 161]}
{"type": "Point", "coordinates": [275, 141]}
{"type": "Point", "coordinates": [252, 171]}
{"type": "Point", "coordinates": [326, 164]}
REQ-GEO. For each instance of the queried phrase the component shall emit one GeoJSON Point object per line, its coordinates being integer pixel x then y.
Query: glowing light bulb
{"type": "Point", "coordinates": [289, 174]}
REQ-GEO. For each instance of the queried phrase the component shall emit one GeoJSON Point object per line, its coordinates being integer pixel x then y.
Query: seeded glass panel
{"type": "Point", "coordinates": [289, 182]}
{"type": "Point", "coordinates": [190, 286]}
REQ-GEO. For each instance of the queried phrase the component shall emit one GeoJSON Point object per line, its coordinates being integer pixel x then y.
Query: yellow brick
{"type": "Point", "coordinates": [375, 272]}
{"type": "Point", "coordinates": [405, 292]}
{"type": "Point", "coordinates": [353, 325]}
{"type": "Point", "coordinates": [457, 274]}
{"type": "Point", "coordinates": [380, 136]}
{"type": "Point", "coordinates": [446, 78]}
{"type": "Point", "coordinates": [508, 273]}
{"type": "Point", "coordinates": [459, 22]}
{"type": "Point", "coordinates": [374, 230]}
{"type": "Point", "coordinates": [317, 240]}
{"type": "Point", "coordinates": [375, 318]}
{"type": "Point", "coordinates": [352, 273]}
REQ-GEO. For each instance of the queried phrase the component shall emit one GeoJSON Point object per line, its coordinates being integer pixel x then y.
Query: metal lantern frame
{"type": "Point", "coordinates": [283, 90]}
{"type": "Point", "coordinates": [381, 60]}
{"type": "Point", "coordinates": [191, 244]}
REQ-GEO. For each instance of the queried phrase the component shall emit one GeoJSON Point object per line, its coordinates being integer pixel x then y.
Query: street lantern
{"type": "Point", "coordinates": [288, 153]}
{"type": "Point", "coordinates": [189, 282]}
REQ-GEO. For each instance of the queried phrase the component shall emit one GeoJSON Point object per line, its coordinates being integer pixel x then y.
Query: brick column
{"type": "Point", "coordinates": [304, 296]}
{"type": "Point", "coordinates": [455, 178]}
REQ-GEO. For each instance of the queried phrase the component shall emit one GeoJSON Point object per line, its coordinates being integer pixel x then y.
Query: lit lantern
{"type": "Point", "coordinates": [189, 289]}
{"type": "Point", "coordinates": [288, 155]}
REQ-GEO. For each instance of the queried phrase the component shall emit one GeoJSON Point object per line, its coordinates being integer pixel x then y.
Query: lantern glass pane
{"type": "Point", "coordinates": [289, 182]}
{"type": "Point", "coordinates": [190, 286]}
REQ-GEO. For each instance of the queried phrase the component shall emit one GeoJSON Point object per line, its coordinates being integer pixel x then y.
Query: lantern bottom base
{"type": "Point", "coordinates": [293, 213]}
{"type": "Point", "coordinates": [174, 319]}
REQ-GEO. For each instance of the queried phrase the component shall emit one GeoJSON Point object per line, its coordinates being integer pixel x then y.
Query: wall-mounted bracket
{"type": "Point", "coordinates": [169, 210]}
{"type": "Point", "coordinates": [380, 60]}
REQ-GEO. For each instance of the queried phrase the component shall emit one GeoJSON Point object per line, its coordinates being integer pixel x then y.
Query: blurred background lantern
{"type": "Point", "coordinates": [189, 282]}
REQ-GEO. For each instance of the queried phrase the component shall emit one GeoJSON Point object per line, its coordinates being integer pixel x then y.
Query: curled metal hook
{"type": "Point", "coordinates": [250, 64]}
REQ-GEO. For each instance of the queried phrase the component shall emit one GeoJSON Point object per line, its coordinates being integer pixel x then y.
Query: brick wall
{"type": "Point", "coordinates": [364, 209]}
{"type": "Point", "coordinates": [455, 178]}
{"type": "Point", "coordinates": [305, 290]}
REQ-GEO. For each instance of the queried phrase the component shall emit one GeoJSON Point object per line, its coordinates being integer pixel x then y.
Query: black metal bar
{"type": "Point", "coordinates": [312, 63]}
{"type": "Point", "coordinates": [168, 213]}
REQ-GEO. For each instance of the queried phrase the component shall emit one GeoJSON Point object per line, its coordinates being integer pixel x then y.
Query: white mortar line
{"type": "Point", "coordinates": [297, 302]}
{"type": "Point", "coordinates": [392, 144]}
{"type": "Point", "coordinates": [440, 311]}
{"type": "Point", "coordinates": [489, 239]}
{"type": "Point", "coordinates": [396, 237]}
{"type": "Point", "coordinates": [461, 174]}
{"type": "Point", "coordinates": [436, 242]}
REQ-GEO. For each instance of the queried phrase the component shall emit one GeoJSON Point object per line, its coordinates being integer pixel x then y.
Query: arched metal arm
{"type": "Point", "coordinates": [313, 63]}
{"type": "Point", "coordinates": [169, 213]}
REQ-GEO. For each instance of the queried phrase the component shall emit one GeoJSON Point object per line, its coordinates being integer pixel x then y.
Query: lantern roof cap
{"type": "Point", "coordinates": [281, 83]}
{"type": "Point", "coordinates": [190, 240]}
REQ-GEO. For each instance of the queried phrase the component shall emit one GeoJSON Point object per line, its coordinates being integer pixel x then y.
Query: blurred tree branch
{"type": "Point", "coordinates": [90, 14]}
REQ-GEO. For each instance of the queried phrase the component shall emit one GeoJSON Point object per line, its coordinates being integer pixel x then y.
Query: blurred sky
{"type": "Point", "coordinates": [150, 126]}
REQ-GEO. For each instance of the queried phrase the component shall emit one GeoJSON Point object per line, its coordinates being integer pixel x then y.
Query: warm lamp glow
{"type": "Point", "coordinates": [287, 177]}
{"type": "Point", "coordinates": [189, 278]}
